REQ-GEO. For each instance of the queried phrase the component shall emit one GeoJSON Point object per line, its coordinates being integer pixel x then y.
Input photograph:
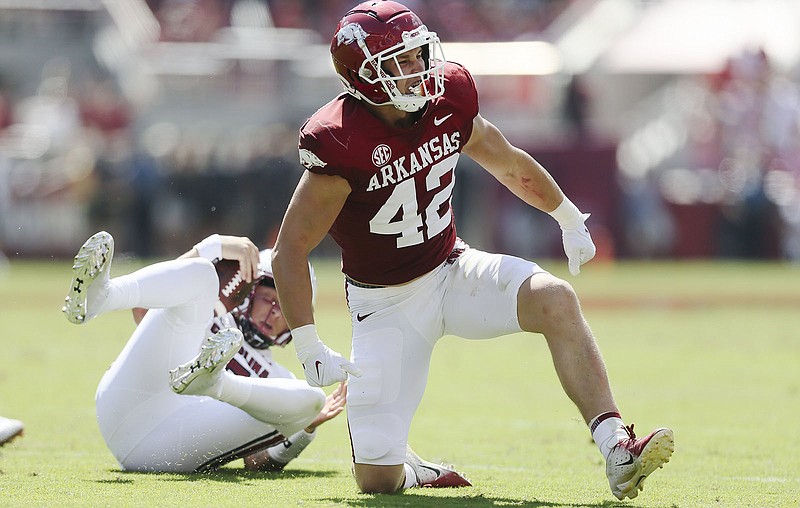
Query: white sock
{"type": "Point", "coordinates": [608, 429]}
{"type": "Point", "coordinates": [233, 390]}
{"type": "Point", "coordinates": [123, 293]}
{"type": "Point", "coordinates": [411, 477]}
{"type": "Point", "coordinates": [291, 447]}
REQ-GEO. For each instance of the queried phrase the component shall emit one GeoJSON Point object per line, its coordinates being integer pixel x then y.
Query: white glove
{"type": "Point", "coordinates": [578, 244]}
{"type": "Point", "coordinates": [322, 365]}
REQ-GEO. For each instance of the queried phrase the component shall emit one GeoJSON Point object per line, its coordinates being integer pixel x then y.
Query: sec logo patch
{"type": "Point", "coordinates": [381, 155]}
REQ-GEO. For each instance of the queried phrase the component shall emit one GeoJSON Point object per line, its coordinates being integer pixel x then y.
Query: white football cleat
{"type": "Point", "coordinates": [195, 377]}
{"type": "Point", "coordinates": [89, 278]}
{"type": "Point", "coordinates": [632, 460]}
{"type": "Point", "coordinates": [433, 475]}
{"type": "Point", "coordinates": [10, 429]}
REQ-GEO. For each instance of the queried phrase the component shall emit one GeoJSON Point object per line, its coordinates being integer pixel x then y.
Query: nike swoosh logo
{"type": "Point", "coordinates": [438, 473]}
{"type": "Point", "coordinates": [363, 317]}
{"type": "Point", "coordinates": [317, 365]}
{"type": "Point", "coordinates": [627, 462]}
{"type": "Point", "coordinates": [439, 121]}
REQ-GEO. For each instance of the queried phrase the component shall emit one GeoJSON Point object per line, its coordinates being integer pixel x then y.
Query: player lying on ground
{"type": "Point", "coordinates": [164, 406]}
{"type": "Point", "coordinates": [381, 161]}
{"type": "Point", "coordinates": [244, 404]}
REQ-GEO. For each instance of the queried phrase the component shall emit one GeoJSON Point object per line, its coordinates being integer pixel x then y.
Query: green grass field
{"type": "Point", "coordinates": [712, 350]}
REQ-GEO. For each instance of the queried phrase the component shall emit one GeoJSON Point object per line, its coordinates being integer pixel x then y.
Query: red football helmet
{"type": "Point", "coordinates": [375, 32]}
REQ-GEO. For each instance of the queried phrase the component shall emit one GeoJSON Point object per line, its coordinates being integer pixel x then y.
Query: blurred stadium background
{"type": "Point", "coordinates": [676, 123]}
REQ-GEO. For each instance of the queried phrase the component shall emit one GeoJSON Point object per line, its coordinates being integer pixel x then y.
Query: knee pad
{"type": "Point", "coordinates": [378, 439]}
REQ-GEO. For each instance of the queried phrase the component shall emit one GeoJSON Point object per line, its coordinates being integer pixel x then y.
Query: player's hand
{"type": "Point", "coordinates": [322, 365]}
{"type": "Point", "coordinates": [243, 250]}
{"type": "Point", "coordinates": [578, 244]}
{"type": "Point", "coordinates": [334, 405]}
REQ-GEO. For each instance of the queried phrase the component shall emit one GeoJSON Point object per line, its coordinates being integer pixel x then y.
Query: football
{"type": "Point", "coordinates": [232, 287]}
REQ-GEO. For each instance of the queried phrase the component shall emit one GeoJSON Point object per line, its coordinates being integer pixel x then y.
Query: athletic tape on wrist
{"type": "Point", "coordinates": [567, 214]}
{"type": "Point", "coordinates": [210, 248]}
{"type": "Point", "coordinates": [305, 335]}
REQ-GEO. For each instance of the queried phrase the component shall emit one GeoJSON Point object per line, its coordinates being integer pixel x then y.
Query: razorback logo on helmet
{"type": "Point", "coordinates": [350, 33]}
{"type": "Point", "coordinates": [382, 31]}
{"type": "Point", "coordinates": [309, 159]}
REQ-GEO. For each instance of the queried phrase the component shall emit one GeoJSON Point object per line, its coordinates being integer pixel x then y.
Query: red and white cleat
{"type": "Point", "coordinates": [433, 475]}
{"type": "Point", "coordinates": [632, 460]}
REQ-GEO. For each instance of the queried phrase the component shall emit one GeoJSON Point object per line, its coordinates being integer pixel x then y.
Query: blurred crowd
{"type": "Point", "coordinates": [453, 20]}
{"type": "Point", "coordinates": [77, 154]}
{"type": "Point", "coordinates": [719, 157]}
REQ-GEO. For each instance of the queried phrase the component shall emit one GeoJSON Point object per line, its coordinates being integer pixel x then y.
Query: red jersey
{"type": "Point", "coordinates": [397, 222]}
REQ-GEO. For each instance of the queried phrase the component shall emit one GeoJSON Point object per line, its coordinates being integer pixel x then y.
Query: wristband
{"type": "Point", "coordinates": [210, 248]}
{"type": "Point", "coordinates": [567, 215]}
{"type": "Point", "coordinates": [305, 336]}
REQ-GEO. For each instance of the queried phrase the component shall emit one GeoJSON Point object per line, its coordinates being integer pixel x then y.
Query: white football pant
{"type": "Point", "coordinates": [395, 330]}
{"type": "Point", "coordinates": [148, 427]}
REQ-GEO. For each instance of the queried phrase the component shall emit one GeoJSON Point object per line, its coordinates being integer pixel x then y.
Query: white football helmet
{"type": "Point", "coordinates": [253, 334]}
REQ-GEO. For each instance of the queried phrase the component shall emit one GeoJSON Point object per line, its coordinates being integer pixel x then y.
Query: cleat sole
{"type": "Point", "coordinates": [90, 262]}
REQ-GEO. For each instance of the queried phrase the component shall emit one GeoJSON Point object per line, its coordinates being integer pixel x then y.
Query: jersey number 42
{"type": "Point", "coordinates": [412, 226]}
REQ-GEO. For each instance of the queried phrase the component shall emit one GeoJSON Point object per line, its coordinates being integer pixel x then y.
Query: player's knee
{"type": "Point", "coordinates": [562, 295]}
{"type": "Point", "coordinates": [205, 276]}
{"type": "Point", "coordinates": [378, 486]}
{"type": "Point", "coordinates": [549, 303]}
{"type": "Point", "coordinates": [378, 479]}
{"type": "Point", "coordinates": [306, 405]}
{"type": "Point", "coordinates": [371, 444]}
{"type": "Point", "coordinates": [313, 400]}
{"type": "Point", "coordinates": [378, 438]}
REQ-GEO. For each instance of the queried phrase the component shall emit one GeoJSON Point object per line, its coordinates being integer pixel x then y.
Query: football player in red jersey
{"type": "Point", "coordinates": [380, 161]}
{"type": "Point", "coordinates": [245, 405]}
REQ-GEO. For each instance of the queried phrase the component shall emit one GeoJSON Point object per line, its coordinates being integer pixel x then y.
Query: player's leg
{"type": "Point", "coordinates": [493, 294]}
{"type": "Point", "coordinates": [392, 346]}
{"type": "Point", "coordinates": [381, 403]}
{"type": "Point", "coordinates": [288, 404]}
{"type": "Point", "coordinates": [548, 305]}
{"type": "Point", "coordinates": [182, 294]}
{"type": "Point", "coordinates": [194, 432]}
{"type": "Point", "coordinates": [200, 435]}
{"type": "Point", "coordinates": [278, 456]}
{"type": "Point", "coordinates": [134, 395]}
{"type": "Point", "coordinates": [176, 284]}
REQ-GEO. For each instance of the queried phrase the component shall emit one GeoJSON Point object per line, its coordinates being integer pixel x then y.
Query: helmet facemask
{"type": "Point", "coordinates": [254, 334]}
{"type": "Point", "coordinates": [373, 70]}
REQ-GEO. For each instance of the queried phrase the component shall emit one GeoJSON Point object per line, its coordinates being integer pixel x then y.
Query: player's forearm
{"type": "Point", "coordinates": [292, 282]}
{"type": "Point", "coordinates": [532, 183]}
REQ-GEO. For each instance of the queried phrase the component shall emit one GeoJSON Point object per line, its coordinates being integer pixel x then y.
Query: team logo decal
{"type": "Point", "coordinates": [350, 33]}
{"type": "Point", "coordinates": [381, 155]}
{"type": "Point", "coordinates": [309, 159]}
